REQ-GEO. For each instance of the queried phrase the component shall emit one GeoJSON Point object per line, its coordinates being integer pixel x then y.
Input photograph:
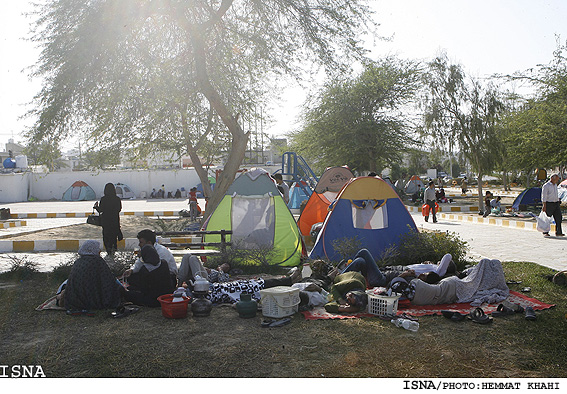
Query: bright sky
{"type": "Point", "coordinates": [485, 36]}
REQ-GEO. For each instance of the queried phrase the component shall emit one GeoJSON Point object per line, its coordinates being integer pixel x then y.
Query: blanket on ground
{"type": "Point", "coordinates": [404, 307]}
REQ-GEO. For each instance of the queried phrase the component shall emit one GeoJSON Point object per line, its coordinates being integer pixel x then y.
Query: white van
{"type": "Point", "coordinates": [123, 191]}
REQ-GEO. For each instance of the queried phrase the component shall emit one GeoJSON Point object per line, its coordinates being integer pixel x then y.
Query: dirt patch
{"type": "Point", "coordinates": [130, 226]}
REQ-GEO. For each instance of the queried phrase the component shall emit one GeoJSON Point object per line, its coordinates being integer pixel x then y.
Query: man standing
{"type": "Point", "coordinates": [284, 186]}
{"type": "Point", "coordinates": [429, 197]}
{"type": "Point", "coordinates": [551, 203]}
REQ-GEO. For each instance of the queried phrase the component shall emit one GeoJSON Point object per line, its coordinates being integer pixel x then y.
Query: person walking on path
{"type": "Point", "coordinates": [109, 209]}
{"type": "Point", "coordinates": [193, 211]}
{"type": "Point", "coordinates": [429, 197]}
{"type": "Point", "coordinates": [552, 204]}
{"type": "Point", "coordinates": [284, 186]}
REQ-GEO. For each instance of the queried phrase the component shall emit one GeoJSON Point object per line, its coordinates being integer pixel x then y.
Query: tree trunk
{"type": "Point", "coordinates": [239, 137]}
{"type": "Point", "coordinates": [505, 180]}
{"type": "Point", "coordinates": [480, 197]}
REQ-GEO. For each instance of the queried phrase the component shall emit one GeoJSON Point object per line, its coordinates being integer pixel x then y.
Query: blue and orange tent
{"type": "Point", "coordinates": [370, 210]}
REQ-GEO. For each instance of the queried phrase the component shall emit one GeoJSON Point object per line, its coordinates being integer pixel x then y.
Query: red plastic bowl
{"type": "Point", "coordinates": [173, 310]}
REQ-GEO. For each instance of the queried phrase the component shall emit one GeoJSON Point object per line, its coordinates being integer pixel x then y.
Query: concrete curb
{"type": "Point", "coordinates": [51, 215]}
{"type": "Point", "coordinates": [72, 245]}
{"type": "Point", "coordinates": [17, 223]}
{"type": "Point", "coordinates": [447, 208]}
{"type": "Point", "coordinates": [502, 222]}
{"type": "Point", "coordinates": [494, 221]}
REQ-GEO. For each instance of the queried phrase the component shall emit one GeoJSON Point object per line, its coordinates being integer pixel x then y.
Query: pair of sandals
{"type": "Point", "coordinates": [477, 316]}
{"type": "Point", "coordinates": [507, 308]}
{"type": "Point", "coordinates": [275, 323]}
{"type": "Point", "coordinates": [124, 310]}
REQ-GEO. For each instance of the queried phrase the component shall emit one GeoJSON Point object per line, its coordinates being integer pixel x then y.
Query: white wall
{"type": "Point", "coordinates": [17, 187]}
{"type": "Point", "coordinates": [14, 186]}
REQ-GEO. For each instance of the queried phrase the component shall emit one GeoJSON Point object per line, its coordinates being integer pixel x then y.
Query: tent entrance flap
{"type": "Point", "coordinates": [369, 217]}
{"type": "Point", "coordinates": [253, 222]}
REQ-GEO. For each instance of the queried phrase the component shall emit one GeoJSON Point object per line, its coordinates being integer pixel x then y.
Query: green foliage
{"type": "Point", "coordinates": [165, 225]}
{"type": "Point", "coordinates": [347, 247]}
{"type": "Point", "coordinates": [464, 112]}
{"type": "Point", "coordinates": [417, 247]}
{"type": "Point", "coordinates": [20, 269]}
{"type": "Point", "coordinates": [120, 262]}
{"type": "Point", "coordinates": [535, 129]}
{"type": "Point", "coordinates": [247, 259]}
{"type": "Point", "coordinates": [61, 271]}
{"type": "Point", "coordinates": [361, 121]}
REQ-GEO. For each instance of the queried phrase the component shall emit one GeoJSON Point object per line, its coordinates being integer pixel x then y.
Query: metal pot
{"type": "Point", "coordinates": [201, 307]}
{"type": "Point", "coordinates": [200, 285]}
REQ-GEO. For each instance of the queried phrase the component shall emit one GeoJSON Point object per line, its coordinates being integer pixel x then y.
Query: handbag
{"type": "Point", "coordinates": [94, 219]}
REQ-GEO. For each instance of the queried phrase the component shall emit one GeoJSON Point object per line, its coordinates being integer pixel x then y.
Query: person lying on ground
{"type": "Point", "coordinates": [91, 284]}
{"type": "Point", "coordinates": [483, 283]}
{"type": "Point", "coordinates": [148, 237]}
{"type": "Point", "coordinates": [348, 291]}
{"type": "Point", "coordinates": [152, 280]}
{"type": "Point", "coordinates": [364, 263]}
{"type": "Point", "coordinates": [191, 267]}
{"type": "Point", "coordinates": [445, 267]}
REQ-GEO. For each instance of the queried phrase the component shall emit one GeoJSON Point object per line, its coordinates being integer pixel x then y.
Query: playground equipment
{"type": "Point", "coordinates": [296, 167]}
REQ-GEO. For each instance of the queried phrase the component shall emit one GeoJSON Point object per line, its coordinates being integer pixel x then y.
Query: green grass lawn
{"type": "Point", "coordinates": [223, 345]}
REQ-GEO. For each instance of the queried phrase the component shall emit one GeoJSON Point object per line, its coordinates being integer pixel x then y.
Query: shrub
{"type": "Point", "coordinates": [20, 268]}
{"type": "Point", "coordinates": [416, 247]}
{"type": "Point", "coordinates": [121, 262]}
{"type": "Point", "coordinates": [62, 270]}
{"type": "Point", "coordinates": [347, 247]}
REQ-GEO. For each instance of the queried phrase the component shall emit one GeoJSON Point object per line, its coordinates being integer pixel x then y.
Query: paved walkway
{"type": "Point", "coordinates": [504, 243]}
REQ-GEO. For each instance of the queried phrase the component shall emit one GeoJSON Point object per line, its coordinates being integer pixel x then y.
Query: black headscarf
{"type": "Point", "coordinates": [109, 190]}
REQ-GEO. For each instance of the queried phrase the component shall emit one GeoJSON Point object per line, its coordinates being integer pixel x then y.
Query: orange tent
{"type": "Point", "coordinates": [329, 185]}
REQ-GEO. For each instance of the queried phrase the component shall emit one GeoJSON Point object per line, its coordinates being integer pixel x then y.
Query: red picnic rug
{"type": "Point", "coordinates": [404, 306]}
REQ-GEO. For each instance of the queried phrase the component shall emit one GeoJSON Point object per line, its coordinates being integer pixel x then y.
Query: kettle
{"type": "Point", "coordinates": [200, 284]}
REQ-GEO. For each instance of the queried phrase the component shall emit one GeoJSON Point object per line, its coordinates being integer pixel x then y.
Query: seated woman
{"type": "Point", "coordinates": [483, 283]}
{"type": "Point", "coordinates": [91, 284]}
{"type": "Point", "coordinates": [151, 281]}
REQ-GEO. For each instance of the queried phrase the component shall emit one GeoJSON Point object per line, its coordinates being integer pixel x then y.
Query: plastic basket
{"type": "Point", "coordinates": [173, 310]}
{"type": "Point", "coordinates": [279, 301]}
{"type": "Point", "coordinates": [380, 305]}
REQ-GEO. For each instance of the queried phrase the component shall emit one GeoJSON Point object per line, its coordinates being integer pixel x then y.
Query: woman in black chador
{"type": "Point", "coordinates": [109, 208]}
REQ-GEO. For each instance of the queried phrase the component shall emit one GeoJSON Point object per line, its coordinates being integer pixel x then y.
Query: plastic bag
{"type": "Point", "coordinates": [543, 222]}
{"type": "Point", "coordinates": [425, 210]}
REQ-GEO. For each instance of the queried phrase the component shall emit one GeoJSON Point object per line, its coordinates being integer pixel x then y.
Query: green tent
{"type": "Point", "coordinates": [258, 217]}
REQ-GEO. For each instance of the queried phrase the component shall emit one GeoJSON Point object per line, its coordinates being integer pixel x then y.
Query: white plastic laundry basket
{"type": "Point", "coordinates": [279, 301]}
{"type": "Point", "coordinates": [380, 305]}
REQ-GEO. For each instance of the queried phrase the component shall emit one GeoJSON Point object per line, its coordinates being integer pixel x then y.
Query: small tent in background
{"type": "Point", "coordinates": [529, 197]}
{"type": "Point", "coordinates": [124, 191]}
{"type": "Point", "coordinates": [329, 185]}
{"type": "Point", "coordinates": [200, 192]}
{"type": "Point", "coordinates": [79, 191]}
{"type": "Point", "coordinates": [297, 195]}
{"type": "Point", "coordinates": [367, 210]}
{"type": "Point", "coordinates": [399, 184]}
{"type": "Point", "coordinates": [389, 182]}
{"type": "Point", "coordinates": [414, 185]}
{"type": "Point", "coordinates": [254, 210]}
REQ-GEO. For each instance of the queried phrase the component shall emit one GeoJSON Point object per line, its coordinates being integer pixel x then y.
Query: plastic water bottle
{"type": "Point", "coordinates": [306, 271]}
{"type": "Point", "coordinates": [407, 324]}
